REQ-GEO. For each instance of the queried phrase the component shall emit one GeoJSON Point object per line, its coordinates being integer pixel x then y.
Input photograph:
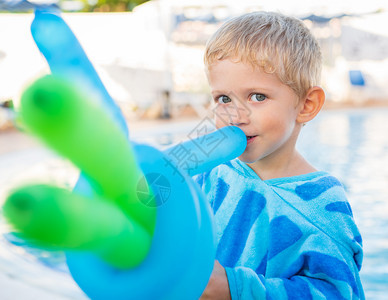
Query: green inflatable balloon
{"type": "Point", "coordinates": [58, 113]}
{"type": "Point", "coordinates": [55, 217]}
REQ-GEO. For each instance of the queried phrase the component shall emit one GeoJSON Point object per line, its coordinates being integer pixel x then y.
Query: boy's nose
{"type": "Point", "coordinates": [238, 115]}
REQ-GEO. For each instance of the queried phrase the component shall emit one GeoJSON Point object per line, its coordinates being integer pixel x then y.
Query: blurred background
{"type": "Point", "coordinates": [149, 54]}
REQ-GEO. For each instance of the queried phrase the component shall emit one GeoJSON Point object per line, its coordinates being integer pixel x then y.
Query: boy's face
{"type": "Point", "coordinates": [259, 104]}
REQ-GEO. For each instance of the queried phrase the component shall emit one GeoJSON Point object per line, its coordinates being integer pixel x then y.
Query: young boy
{"type": "Point", "coordinates": [284, 229]}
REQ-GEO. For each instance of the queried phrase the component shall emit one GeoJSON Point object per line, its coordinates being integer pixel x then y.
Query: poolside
{"type": "Point", "coordinates": [352, 144]}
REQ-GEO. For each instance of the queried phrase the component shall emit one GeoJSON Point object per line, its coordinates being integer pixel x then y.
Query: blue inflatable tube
{"type": "Point", "coordinates": [205, 152]}
{"type": "Point", "coordinates": [182, 253]}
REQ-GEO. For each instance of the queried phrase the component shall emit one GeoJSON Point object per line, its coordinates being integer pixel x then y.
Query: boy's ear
{"type": "Point", "coordinates": [311, 104]}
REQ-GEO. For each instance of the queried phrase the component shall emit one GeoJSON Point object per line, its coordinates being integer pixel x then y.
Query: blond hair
{"type": "Point", "coordinates": [278, 44]}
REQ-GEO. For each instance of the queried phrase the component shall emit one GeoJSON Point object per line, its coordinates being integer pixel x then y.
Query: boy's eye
{"type": "Point", "coordinates": [223, 99]}
{"type": "Point", "coordinates": [258, 97]}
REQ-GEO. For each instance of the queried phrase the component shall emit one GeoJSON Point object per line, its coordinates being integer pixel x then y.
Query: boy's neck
{"type": "Point", "coordinates": [295, 165]}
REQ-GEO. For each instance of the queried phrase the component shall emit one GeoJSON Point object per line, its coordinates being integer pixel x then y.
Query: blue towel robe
{"type": "Point", "coordinates": [286, 238]}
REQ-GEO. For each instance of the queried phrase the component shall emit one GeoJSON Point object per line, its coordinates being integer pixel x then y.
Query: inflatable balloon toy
{"type": "Point", "coordinates": [136, 226]}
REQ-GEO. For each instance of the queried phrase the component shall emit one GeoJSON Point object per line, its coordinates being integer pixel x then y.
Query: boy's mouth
{"type": "Point", "coordinates": [250, 137]}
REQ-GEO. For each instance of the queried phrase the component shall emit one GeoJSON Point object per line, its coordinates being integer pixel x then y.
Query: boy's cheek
{"type": "Point", "coordinates": [220, 122]}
